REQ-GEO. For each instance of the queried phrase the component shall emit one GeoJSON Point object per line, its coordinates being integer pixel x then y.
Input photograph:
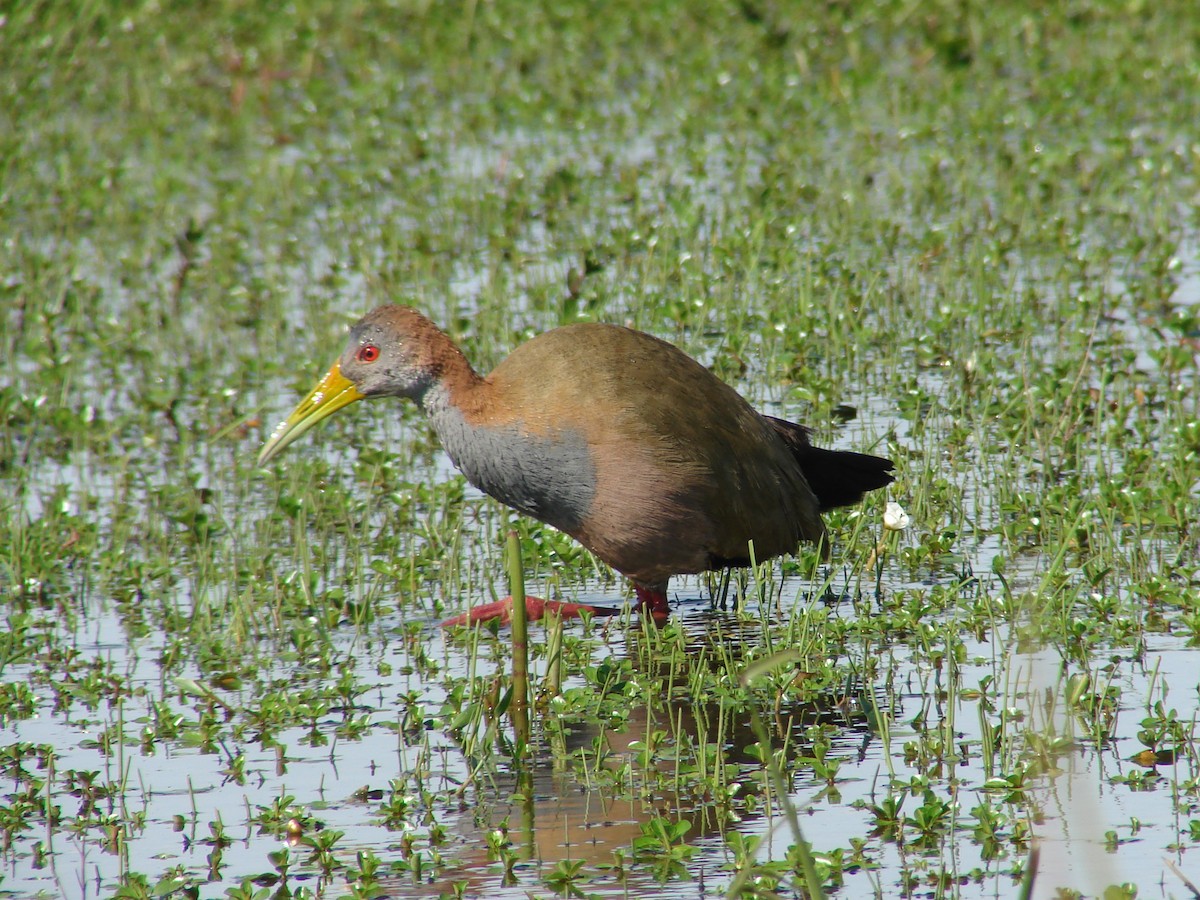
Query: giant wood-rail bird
{"type": "Point", "coordinates": [611, 435]}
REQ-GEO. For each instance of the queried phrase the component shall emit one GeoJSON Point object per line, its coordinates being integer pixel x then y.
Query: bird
{"type": "Point", "coordinates": [611, 435]}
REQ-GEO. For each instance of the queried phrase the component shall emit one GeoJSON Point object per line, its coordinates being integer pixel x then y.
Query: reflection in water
{"type": "Point", "coordinates": [593, 792]}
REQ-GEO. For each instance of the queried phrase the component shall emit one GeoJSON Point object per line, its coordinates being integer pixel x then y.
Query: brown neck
{"type": "Point", "coordinates": [454, 383]}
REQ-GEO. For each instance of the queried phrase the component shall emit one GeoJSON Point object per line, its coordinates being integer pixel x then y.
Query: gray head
{"type": "Point", "coordinates": [394, 351]}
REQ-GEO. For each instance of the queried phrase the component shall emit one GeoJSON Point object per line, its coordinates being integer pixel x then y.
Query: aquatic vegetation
{"type": "Point", "coordinates": [961, 236]}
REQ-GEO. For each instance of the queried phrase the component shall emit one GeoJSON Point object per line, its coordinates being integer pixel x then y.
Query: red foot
{"type": "Point", "coordinates": [535, 608]}
{"type": "Point", "coordinates": [652, 601]}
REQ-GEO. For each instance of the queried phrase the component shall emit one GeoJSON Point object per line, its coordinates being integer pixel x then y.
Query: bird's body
{"type": "Point", "coordinates": [611, 435]}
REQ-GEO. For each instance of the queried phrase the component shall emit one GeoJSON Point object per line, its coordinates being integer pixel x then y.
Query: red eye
{"type": "Point", "coordinates": [367, 353]}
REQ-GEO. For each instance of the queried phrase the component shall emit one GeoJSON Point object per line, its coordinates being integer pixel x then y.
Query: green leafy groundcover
{"type": "Point", "coordinates": [959, 234]}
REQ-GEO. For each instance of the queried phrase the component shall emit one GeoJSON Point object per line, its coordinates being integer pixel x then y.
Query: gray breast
{"type": "Point", "coordinates": [551, 478]}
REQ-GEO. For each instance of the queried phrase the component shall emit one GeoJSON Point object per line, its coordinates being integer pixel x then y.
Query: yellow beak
{"type": "Point", "coordinates": [331, 393]}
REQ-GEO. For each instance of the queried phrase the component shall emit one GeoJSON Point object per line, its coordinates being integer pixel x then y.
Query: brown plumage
{"type": "Point", "coordinates": [611, 435]}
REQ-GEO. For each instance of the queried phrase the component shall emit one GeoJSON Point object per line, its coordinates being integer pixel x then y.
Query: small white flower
{"type": "Point", "coordinates": [894, 517]}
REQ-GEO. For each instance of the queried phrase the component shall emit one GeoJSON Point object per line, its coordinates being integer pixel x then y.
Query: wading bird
{"type": "Point", "coordinates": [611, 435]}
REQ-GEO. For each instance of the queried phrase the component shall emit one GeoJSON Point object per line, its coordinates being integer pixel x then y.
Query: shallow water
{"type": "Point", "coordinates": [1085, 798]}
{"type": "Point", "coordinates": [948, 222]}
{"type": "Point", "coordinates": [565, 817]}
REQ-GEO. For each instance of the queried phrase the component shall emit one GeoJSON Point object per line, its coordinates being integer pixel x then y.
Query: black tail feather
{"type": "Point", "coordinates": [837, 477]}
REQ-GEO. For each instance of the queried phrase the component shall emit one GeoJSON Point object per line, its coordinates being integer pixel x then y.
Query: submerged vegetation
{"type": "Point", "coordinates": [963, 235]}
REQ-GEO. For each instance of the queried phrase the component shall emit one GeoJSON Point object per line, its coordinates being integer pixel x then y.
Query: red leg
{"type": "Point", "coordinates": [535, 608]}
{"type": "Point", "coordinates": [652, 600]}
